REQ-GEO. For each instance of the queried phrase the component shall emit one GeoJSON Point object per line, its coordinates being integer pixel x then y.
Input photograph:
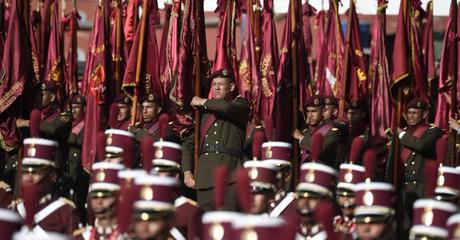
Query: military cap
{"type": "Point", "coordinates": [104, 180]}
{"type": "Point", "coordinates": [356, 104]}
{"type": "Point", "coordinates": [262, 176]}
{"type": "Point", "coordinates": [151, 98]}
{"type": "Point", "coordinates": [349, 175]}
{"type": "Point", "coordinates": [38, 153]}
{"type": "Point", "coordinates": [122, 99]}
{"type": "Point", "coordinates": [218, 224]}
{"type": "Point", "coordinates": [127, 176]}
{"type": "Point", "coordinates": [374, 202]}
{"type": "Point", "coordinates": [453, 226]}
{"type": "Point", "coordinates": [78, 99]}
{"type": "Point", "coordinates": [257, 227]}
{"type": "Point", "coordinates": [278, 153]}
{"type": "Point", "coordinates": [223, 73]}
{"type": "Point", "coordinates": [156, 195]}
{"type": "Point", "coordinates": [119, 143]}
{"type": "Point", "coordinates": [418, 103]}
{"type": "Point", "coordinates": [331, 100]}
{"type": "Point", "coordinates": [167, 156]}
{"type": "Point", "coordinates": [315, 101]}
{"type": "Point", "coordinates": [26, 234]}
{"type": "Point", "coordinates": [447, 183]}
{"type": "Point", "coordinates": [47, 86]}
{"type": "Point", "coordinates": [430, 217]}
{"type": "Point", "coordinates": [316, 180]}
{"type": "Point", "coordinates": [10, 222]}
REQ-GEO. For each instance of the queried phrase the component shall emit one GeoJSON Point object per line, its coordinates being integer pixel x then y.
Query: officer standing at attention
{"type": "Point", "coordinates": [222, 139]}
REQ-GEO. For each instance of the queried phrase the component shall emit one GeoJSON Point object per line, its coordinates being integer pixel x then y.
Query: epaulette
{"type": "Point", "coordinates": [79, 231]}
{"type": "Point", "coordinates": [67, 201]}
{"type": "Point", "coordinates": [5, 186]}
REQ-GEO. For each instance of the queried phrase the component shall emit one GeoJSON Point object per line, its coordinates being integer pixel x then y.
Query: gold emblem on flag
{"type": "Point", "coordinates": [310, 176]}
{"type": "Point", "coordinates": [31, 151]}
{"type": "Point", "coordinates": [348, 177]}
{"type": "Point", "coordinates": [368, 198]}
{"type": "Point", "coordinates": [253, 173]}
{"type": "Point", "coordinates": [427, 216]}
{"type": "Point", "coordinates": [249, 234]}
{"type": "Point", "coordinates": [147, 193]}
{"type": "Point", "coordinates": [217, 231]}
{"type": "Point", "coordinates": [100, 176]}
{"type": "Point", "coordinates": [159, 153]}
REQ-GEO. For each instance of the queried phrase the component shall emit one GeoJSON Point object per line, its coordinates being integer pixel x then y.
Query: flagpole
{"type": "Point", "coordinates": [117, 73]}
{"type": "Point", "coordinates": [295, 90]}
{"type": "Point", "coordinates": [197, 87]}
{"type": "Point", "coordinates": [139, 61]}
{"type": "Point", "coordinates": [343, 96]}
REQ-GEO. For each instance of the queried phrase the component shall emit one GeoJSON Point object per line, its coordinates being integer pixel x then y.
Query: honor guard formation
{"type": "Point", "coordinates": [328, 136]}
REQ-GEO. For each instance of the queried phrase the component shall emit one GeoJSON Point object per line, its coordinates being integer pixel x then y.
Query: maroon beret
{"type": "Point", "coordinates": [418, 103]}
{"type": "Point", "coordinates": [223, 73]}
{"type": "Point", "coordinates": [315, 101]}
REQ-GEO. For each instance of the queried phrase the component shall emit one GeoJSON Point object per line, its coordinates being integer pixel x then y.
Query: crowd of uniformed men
{"type": "Point", "coordinates": [135, 189]}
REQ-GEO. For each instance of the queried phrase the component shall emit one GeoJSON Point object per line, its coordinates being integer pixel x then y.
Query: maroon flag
{"type": "Point", "coordinates": [268, 67]}
{"type": "Point", "coordinates": [149, 82]}
{"type": "Point", "coordinates": [379, 77]}
{"type": "Point", "coordinates": [307, 12]}
{"type": "Point", "coordinates": [45, 30]}
{"type": "Point", "coordinates": [54, 70]}
{"type": "Point", "coordinates": [447, 68]}
{"type": "Point", "coordinates": [320, 21]}
{"type": "Point", "coordinates": [428, 46]}
{"type": "Point", "coordinates": [119, 51]}
{"type": "Point", "coordinates": [192, 57]}
{"type": "Point", "coordinates": [130, 23]}
{"type": "Point", "coordinates": [15, 76]}
{"type": "Point", "coordinates": [248, 70]}
{"type": "Point", "coordinates": [164, 40]}
{"type": "Point", "coordinates": [354, 76]}
{"type": "Point", "coordinates": [171, 57]}
{"type": "Point", "coordinates": [329, 70]}
{"type": "Point", "coordinates": [94, 82]}
{"type": "Point", "coordinates": [71, 21]}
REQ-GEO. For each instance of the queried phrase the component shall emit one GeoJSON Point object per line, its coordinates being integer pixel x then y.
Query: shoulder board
{"type": "Point", "coordinates": [80, 231]}
{"type": "Point", "coordinates": [67, 201]}
{"type": "Point", "coordinates": [334, 129]}
{"type": "Point", "coordinates": [5, 186]}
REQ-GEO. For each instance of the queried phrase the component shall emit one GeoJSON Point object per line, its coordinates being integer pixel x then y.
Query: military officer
{"type": "Point", "coordinates": [55, 214]}
{"type": "Point", "coordinates": [418, 144]}
{"type": "Point", "coordinates": [331, 106]}
{"type": "Point", "coordinates": [357, 120]}
{"type": "Point", "coordinates": [120, 112]}
{"type": "Point", "coordinates": [334, 152]}
{"type": "Point", "coordinates": [103, 198]}
{"type": "Point", "coordinates": [222, 138]}
{"type": "Point", "coordinates": [80, 177]}
{"type": "Point", "coordinates": [150, 109]}
{"type": "Point", "coordinates": [430, 217]}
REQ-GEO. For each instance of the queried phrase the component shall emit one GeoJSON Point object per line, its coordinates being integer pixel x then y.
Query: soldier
{"type": "Point", "coordinates": [120, 147]}
{"type": "Point", "coordinates": [315, 186]}
{"type": "Point", "coordinates": [103, 198]}
{"type": "Point", "coordinates": [430, 217]}
{"type": "Point", "coordinates": [334, 151]}
{"type": "Point", "coordinates": [447, 184]}
{"type": "Point", "coordinates": [80, 177]}
{"type": "Point", "coordinates": [374, 210]}
{"type": "Point", "coordinates": [330, 109]}
{"type": "Point", "coordinates": [154, 210]}
{"type": "Point", "coordinates": [120, 112]}
{"type": "Point", "coordinates": [222, 138]}
{"type": "Point", "coordinates": [357, 120]}
{"type": "Point", "coordinates": [262, 176]}
{"type": "Point", "coordinates": [54, 214]}
{"type": "Point", "coordinates": [150, 109]}
{"type": "Point", "coordinates": [418, 144]}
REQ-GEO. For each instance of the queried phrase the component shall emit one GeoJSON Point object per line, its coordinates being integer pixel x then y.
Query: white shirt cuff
{"type": "Point", "coordinates": [401, 134]}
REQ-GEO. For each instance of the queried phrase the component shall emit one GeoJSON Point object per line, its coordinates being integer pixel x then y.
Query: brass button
{"type": "Point", "coordinates": [206, 135]}
{"type": "Point", "coordinates": [206, 154]}
{"type": "Point", "coordinates": [412, 163]}
{"type": "Point", "coordinates": [75, 154]}
{"type": "Point", "coordinates": [215, 124]}
{"type": "Point", "coordinates": [413, 153]}
{"type": "Point", "coordinates": [215, 133]}
{"type": "Point", "coordinates": [217, 142]}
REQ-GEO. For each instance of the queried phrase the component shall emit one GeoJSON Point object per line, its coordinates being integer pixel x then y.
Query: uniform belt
{"type": "Point", "coordinates": [214, 148]}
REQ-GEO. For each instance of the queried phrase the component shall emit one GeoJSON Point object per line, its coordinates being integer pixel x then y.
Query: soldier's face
{"type": "Point", "coordinates": [103, 206]}
{"type": "Point", "coordinates": [150, 111]}
{"type": "Point", "coordinates": [222, 87]}
{"type": "Point", "coordinates": [314, 115]}
{"type": "Point", "coordinates": [150, 229]}
{"type": "Point", "coordinates": [306, 207]}
{"type": "Point", "coordinates": [77, 111]}
{"type": "Point", "coordinates": [347, 205]}
{"type": "Point", "coordinates": [370, 231]}
{"type": "Point", "coordinates": [45, 98]}
{"type": "Point", "coordinates": [35, 177]}
{"type": "Point", "coordinates": [355, 116]}
{"type": "Point", "coordinates": [330, 111]}
{"type": "Point", "coordinates": [123, 112]}
{"type": "Point", "coordinates": [415, 116]}
{"type": "Point", "coordinates": [260, 203]}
